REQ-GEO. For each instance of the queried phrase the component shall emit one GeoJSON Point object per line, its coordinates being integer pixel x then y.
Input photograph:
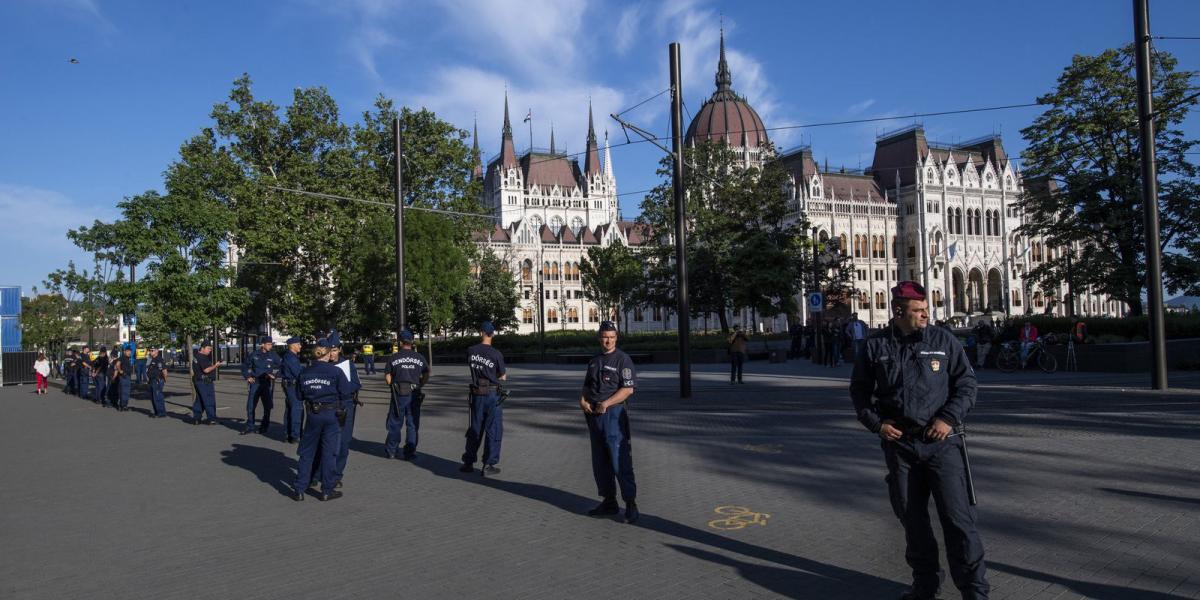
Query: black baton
{"type": "Point", "coordinates": [967, 464]}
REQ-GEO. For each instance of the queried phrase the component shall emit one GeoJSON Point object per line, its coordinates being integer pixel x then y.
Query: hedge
{"type": "Point", "coordinates": [1178, 326]}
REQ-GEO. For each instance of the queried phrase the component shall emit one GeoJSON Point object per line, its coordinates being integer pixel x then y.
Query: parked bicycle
{"type": "Point", "coordinates": [1009, 359]}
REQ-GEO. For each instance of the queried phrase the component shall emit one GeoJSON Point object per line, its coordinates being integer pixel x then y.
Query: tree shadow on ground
{"type": "Point", "coordinates": [1087, 589]}
{"type": "Point", "coordinates": [578, 505]}
{"type": "Point", "coordinates": [793, 583]}
{"type": "Point", "coordinates": [270, 466]}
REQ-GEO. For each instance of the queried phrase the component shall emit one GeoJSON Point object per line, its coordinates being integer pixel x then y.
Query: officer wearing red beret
{"type": "Point", "coordinates": [913, 385]}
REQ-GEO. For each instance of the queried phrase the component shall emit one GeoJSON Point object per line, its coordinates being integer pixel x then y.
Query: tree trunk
{"type": "Point", "coordinates": [724, 320]}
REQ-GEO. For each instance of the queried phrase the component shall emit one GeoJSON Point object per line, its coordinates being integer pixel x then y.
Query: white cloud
{"type": "Point", "coordinates": [85, 10]}
{"type": "Point", "coordinates": [858, 107]}
{"type": "Point", "coordinates": [541, 39]}
{"type": "Point", "coordinates": [36, 224]}
{"type": "Point", "coordinates": [627, 28]}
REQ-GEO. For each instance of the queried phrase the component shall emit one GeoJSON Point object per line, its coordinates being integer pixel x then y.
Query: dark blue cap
{"type": "Point", "coordinates": [334, 339]}
{"type": "Point", "coordinates": [206, 343]}
{"type": "Point", "coordinates": [608, 326]}
{"type": "Point", "coordinates": [407, 335]}
{"type": "Point", "coordinates": [265, 339]}
{"type": "Point", "coordinates": [323, 343]}
{"type": "Point", "coordinates": [487, 328]}
{"type": "Point", "coordinates": [294, 340]}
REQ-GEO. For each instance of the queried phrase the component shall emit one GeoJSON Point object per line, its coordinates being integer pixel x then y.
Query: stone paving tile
{"type": "Point", "coordinates": [1086, 492]}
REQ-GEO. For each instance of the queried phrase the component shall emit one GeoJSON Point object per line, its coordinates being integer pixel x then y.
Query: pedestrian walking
{"type": "Point", "coordinates": [737, 354]}
{"type": "Point", "coordinates": [984, 335]}
{"type": "Point", "coordinates": [259, 369]}
{"type": "Point", "coordinates": [856, 332]}
{"type": "Point", "coordinates": [156, 377]}
{"type": "Point", "coordinates": [203, 368]}
{"type": "Point", "coordinates": [293, 410]}
{"type": "Point", "coordinates": [913, 386]}
{"type": "Point", "coordinates": [406, 373]}
{"type": "Point", "coordinates": [322, 388]}
{"type": "Point", "coordinates": [41, 371]}
{"type": "Point", "coordinates": [487, 413]}
{"type": "Point", "coordinates": [608, 384]}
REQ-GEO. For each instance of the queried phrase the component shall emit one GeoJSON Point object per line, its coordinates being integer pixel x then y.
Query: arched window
{"type": "Point", "coordinates": [842, 245]}
{"type": "Point", "coordinates": [858, 246]}
{"type": "Point", "coordinates": [527, 315]}
{"type": "Point", "coordinates": [552, 316]}
{"type": "Point", "coordinates": [593, 315]}
{"type": "Point", "coordinates": [527, 270]}
{"type": "Point", "coordinates": [958, 221]}
{"type": "Point", "coordinates": [554, 274]}
{"type": "Point", "coordinates": [978, 222]}
{"type": "Point", "coordinates": [573, 316]}
{"type": "Point", "coordinates": [576, 225]}
{"type": "Point", "coordinates": [556, 224]}
{"type": "Point", "coordinates": [880, 301]}
{"type": "Point", "coordinates": [546, 271]}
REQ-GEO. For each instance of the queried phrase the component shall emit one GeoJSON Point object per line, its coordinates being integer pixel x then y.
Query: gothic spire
{"type": "Point", "coordinates": [591, 164]}
{"type": "Point", "coordinates": [508, 154]}
{"type": "Point", "coordinates": [551, 138]}
{"type": "Point", "coordinates": [724, 78]}
{"type": "Point", "coordinates": [507, 131]}
{"type": "Point", "coordinates": [475, 155]}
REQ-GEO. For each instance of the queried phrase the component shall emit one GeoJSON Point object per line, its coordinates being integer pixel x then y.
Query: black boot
{"type": "Point", "coordinates": [605, 508]}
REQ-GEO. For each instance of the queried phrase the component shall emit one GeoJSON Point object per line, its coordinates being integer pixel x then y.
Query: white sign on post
{"type": "Point", "coordinates": [816, 302]}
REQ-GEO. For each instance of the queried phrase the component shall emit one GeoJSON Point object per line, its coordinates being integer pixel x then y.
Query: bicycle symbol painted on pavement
{"type": "Point", "coordinates": [737, 517]}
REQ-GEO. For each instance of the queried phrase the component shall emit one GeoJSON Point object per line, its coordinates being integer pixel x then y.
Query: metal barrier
{"type": "Point", "coordinates": [17, 368]}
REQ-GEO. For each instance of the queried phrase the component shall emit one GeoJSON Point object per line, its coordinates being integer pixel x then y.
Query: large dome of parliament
{"type": "Point", "coordinates": [726, 116]}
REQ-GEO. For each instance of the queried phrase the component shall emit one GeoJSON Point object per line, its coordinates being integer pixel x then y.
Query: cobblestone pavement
{"type": "Point", "coordinates": [1088, 487]}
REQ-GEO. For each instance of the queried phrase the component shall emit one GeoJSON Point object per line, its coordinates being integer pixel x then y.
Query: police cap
{"type": "Point", "coordinates": [335, 340]}
{"type": "Point", "coordinates": [908, 290]}
{"type": "Point", "coordinates": [323, 343]}
{"type": "Point", "coordinates": [265, 339]}
{"type": "Point", "coordinates": [294, 340]}
{"type": "Point", "coordinates": [407, 336]}
{"type": "Point", "coordinates": [607, 326]}
{"type": "Point", "coordinates": [487, 328]}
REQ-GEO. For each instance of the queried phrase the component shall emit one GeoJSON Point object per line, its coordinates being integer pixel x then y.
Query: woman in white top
{"type": "Point", "coordinates": [41, 367]}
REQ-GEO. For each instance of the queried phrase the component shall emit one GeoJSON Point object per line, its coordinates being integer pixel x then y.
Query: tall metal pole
{"type": "Point", "coordinates": [685, 359]}
{"type": "Point", "coordinates": [541, 315]}
{"type": "Point", "coordinates": [398, 185]}
{"type": "Point", "coordinates": [1154, 297]}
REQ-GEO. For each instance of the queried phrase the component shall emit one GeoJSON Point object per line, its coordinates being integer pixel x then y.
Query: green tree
{"type": "Point", "coordinates": [742, 249]}
{"type": "Point", "coordinates": [46, 321]}
{"type": "Point", "coordinates": [1083, 177]}
{"type": "Point", "coordinates": [611, 276]}
{"type": "Point", "coordinates": [491, 295]}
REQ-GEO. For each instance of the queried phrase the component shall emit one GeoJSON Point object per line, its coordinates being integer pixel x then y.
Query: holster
{"type": "Point", "coordinates": [480, 389]}
{"type": "Point", "coordinates": [402, 388]}
{"type": "Point", "coordinates": [340, 413]}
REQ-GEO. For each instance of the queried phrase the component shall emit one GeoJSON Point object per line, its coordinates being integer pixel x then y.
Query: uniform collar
{"type": "Point", "coordinates": [897, 335]}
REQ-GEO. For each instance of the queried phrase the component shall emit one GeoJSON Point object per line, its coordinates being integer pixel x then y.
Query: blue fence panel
{"type": "Point", "coordinates": [10, 301]}
{"type": "Point", "coordinates": [10, 334]}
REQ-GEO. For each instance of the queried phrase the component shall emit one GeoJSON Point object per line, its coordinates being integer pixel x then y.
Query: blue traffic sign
{"type": "Point", "coordinates": [816, 302]}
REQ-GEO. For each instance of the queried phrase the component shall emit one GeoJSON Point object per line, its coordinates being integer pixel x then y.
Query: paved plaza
{"type": "Point", "coordinates": [1088, 488]}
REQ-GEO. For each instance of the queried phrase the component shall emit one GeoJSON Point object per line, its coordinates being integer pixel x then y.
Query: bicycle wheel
{"type": "Point", "coordinates": [1047, 362]}
{"type": "Point", "coordinates": [1008, 361]}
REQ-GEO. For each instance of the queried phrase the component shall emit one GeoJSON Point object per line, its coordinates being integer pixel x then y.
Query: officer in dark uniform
{"type": "Point", "coordinates": [114, 396]}
{"type": "Point", "coordinates": [156, 376]}
{"type": "Point", "coordinates": [100, 377]}
{"type": "Point", "coordinates": [322, 387]}
{"type": "Point", "coordinates": [349, 403]}
{"type": "Point", "coordinates": [71, 376]}
{"type": "Point", "coordinates": [84, 373]}
{"type": "Point", "coordinates": [259, 369]}
{"type": "Point", "coordinates": [203, 368]}
{"type": "Point", "coordinates": [487, 415]}
{"type": "Point", "coordinates": [407, 372]}
{"type": "Point", "coordinates": [122, 374]}
{"type": "Point", "coordinates": [293, 411]}
{"type": "Point", "coordinates": [607, 386]}
{"type": "Point", "coordinates": [913, 385]}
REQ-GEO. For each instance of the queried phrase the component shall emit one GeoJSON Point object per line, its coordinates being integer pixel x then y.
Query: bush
{"type": "Point", "coordinates": [1126, 329]}
{"type": "Point", "coordinates": [584, 342]}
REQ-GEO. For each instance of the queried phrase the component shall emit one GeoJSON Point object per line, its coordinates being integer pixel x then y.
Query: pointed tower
{"type": "Point", "coordinates": [475, 155]}
{"type": "Point", "coordinates": [591, 164]}
{"type": "Point", "coordinates": [508, 154]}
{"type": "Point", "coordinates": [724, 78]}
{"type": "Point", "coordinates": [727, 117]}
{"type": "Point", "coordinates": [552, 138]}
{"type": "Point", "coordinates": [608, 171]}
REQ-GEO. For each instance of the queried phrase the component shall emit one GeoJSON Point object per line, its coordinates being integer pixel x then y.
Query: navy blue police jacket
{"type": "Point", "coordinates": [156, 368]}
{"type": "Point", "coordinates": [487, 364]}
{"type": "Point", "coordinates": [292, 367]}
{"type": "Point", "coordinates": [322, 383]}
{"type": "Point", "coordinates": [407, 366]}
{"type": "Point", "coordinates": [912, 379]}
{"type": "Point", "coordinates": [201, 362]}
{"type": "Point", "coordinates": [607, 373]}
{"type": "Point", "coordinates": [260, 363]}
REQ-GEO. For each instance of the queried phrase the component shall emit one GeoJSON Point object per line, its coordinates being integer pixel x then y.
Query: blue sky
{"type": "Point", "coordinates": [76, 138]}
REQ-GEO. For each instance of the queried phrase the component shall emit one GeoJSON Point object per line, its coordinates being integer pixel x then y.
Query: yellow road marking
{"type": "Point", "coordinates": [737, 517]}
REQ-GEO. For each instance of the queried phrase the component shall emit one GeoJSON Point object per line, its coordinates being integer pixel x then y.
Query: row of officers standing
{"type": "Point", "coordinates": [321, 400]}
{"type": "Point", "coordinates": [107, 379]}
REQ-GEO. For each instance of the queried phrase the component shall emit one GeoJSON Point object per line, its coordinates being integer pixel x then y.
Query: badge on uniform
{"type": "Point", "coordinates": [627, 373]}
{"type": "Point", "coordinates": [936, 365]}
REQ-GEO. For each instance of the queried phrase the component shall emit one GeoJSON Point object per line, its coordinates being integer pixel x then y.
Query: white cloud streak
{"type": "Point", "coordinates": [35, 236]}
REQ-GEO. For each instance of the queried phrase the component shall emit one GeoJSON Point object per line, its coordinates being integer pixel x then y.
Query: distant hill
{"type": "Point", "coordinates": [1188, 302]}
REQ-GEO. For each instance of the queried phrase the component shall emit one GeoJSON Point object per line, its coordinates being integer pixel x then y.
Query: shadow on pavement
{"type": "Point", "coordinates": [792, 583]}
{"type": "Point", "coordinates": [1096, 591]}
{"type": "Point", "coordinates": [1150, 495]}
{"type": "Point", "coordinates": [270, 466]}
{"type": "Point", "coordinates": [576, 504]}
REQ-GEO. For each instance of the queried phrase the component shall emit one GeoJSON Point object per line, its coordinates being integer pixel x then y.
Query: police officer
{"type": "Point", "coordinates": [71, 376]}
{"type": "Point", "coordinates": [293, 411]}
{"type": "Point", "coordinates": [407, 372]}
{"type": "Point", "coordinates": [913, 385]}
{"type": "Point", "coordinates": [122, 371]}
{"type": "Point", "coordinates": [259, 369]}
{"type": "Point", "coordinates": [607, 386]}
{"type": "Point", "coordinates": [203, 368]}
{"type": "Point", "coordinates": [84, 372]}
{"type": "Point", "coordinates": [487, 416]}
{"type": "Point", "coordinates": [156, 377]}
{"type": "Point", "coordinates": [349, 403]}
{"type": "Point", "coordinates": [321, 386]}
{"type": "Point", "coordinates": [100, 377]}
{"type": "Point", "coordinates": [140, 360]}
{"type": "Point", "coordinates": [114, 395]}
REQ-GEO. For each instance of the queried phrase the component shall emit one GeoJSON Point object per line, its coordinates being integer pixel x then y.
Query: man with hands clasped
{"type": "Point", "coordinates": [608, 384]}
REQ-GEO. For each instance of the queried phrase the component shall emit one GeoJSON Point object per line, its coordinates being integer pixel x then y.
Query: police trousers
{"type": "Point", "coordinates": [486, 427]}
{"type": "Point", "coordinates": [343, 449]}
{"type": "Point", "coordinates": [84, 383]}
{"type": "Point", "coordinates": [123, 387]}
{"type": "Point", "coordinates": [612, 456]}
{"type": "Point", "coordinates": [917, 470]}
{"type": "Point", "coordinates": [157, 400]}
{"type": "Point", "coordinates": [206, 400]}
{"type": "Point", "coordinates": [293, 410]}
{"type": "Point", "coordinates": [321, 434]}
{"type": "Point", "coordinates": [263, 389]}
{"type": "Point", "coordinates": [100, 390]}
{"type": "Point", "coordinates": [404, 415]}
